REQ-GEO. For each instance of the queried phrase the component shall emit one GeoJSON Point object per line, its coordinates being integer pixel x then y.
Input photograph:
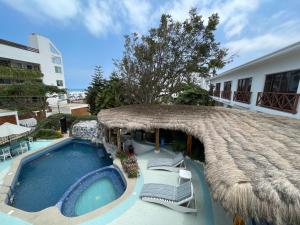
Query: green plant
{"type": "Point", "coordinates": [130, 166]}
{"type": "Point", "coordinates": [121, 155]}
{"type": "Point", "coordinates": [53, 121]}
{"type": "Point", "coordinates": [179, 145]}
{"type": "Point", "coordinates": [47, 134]}
{"type": "Point", "coordinates": [23, 74]}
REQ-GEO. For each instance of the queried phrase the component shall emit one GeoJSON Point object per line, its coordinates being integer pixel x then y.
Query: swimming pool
{"type": "Point", "coordinates": [44, 177]}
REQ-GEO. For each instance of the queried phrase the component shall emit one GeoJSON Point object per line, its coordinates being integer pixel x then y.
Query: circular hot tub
{"type": "Point", "coordinates": [92, 191]}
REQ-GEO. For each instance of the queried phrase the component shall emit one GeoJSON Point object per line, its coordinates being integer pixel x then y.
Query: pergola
{"type": "Point", "coordinates": [252, 159]}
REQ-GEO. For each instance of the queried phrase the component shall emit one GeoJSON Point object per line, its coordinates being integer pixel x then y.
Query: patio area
{"type": "Point", "coordinates": [135, 211]}
{"type": "Point", "coordinates": [209, 212]}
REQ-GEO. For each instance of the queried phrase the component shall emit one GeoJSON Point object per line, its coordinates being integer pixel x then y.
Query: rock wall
{"type": "Point", "coordinates": [88, 130]}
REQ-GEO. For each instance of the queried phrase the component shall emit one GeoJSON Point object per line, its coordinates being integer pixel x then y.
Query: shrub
{"type": "Point", "coordinates": [52, 122]}
{"type": "Point", "coordinates": [47, 134]}
{"type": "Point", "coordinates": [130, 166]}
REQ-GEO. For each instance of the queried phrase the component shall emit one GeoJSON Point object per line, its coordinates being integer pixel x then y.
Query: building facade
{"type": "Point", "coordinates": [41, 55]}
{"type": "Point", "coordinates": [269, 84]}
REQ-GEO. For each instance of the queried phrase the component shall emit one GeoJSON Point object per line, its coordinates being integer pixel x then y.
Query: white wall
{"type": "Point", "coordinates": [284, 62]}
{"type": "Point", "coordinates": [47, 66]}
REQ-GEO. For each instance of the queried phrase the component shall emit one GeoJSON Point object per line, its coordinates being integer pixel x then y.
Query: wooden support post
{"type": "Point", "coordinates": [157, 148]}
{"type": "Point", "coordinates": [109, 135]}
{"type": "Point", "coordinates": [238, 220]}
{"type": "Point", "coordinates": [189, 144]}
{"type": "Point", "coordinates": [118, 139]}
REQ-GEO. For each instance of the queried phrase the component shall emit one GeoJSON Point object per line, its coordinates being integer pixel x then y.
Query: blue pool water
{"type": "Point", "coordinates": [93, 191]}
{"type": "Point", "coordinates": [44, 179]}
{"type": "Point", "coordinates": [96, 196]}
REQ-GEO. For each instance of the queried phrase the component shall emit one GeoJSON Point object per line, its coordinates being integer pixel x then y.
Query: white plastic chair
{"type": "Point", "coordinates": [23, 148]}
{"type": "Point", "coordinates": [5, 153]}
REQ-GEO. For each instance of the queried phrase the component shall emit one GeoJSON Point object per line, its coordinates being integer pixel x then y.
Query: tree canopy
{"type": "Point", "coordinates": [160, 63]}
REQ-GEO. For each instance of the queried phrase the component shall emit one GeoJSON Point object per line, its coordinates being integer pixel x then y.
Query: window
{"type": "Point", "coordinates": [227, 86]}
{"type": "Point", "coordinates": [59, 83]}
{"type": "Point", "coordinates": [244, 85]}
{"type": "Point", "coordinates": [285, 82]}
{"type": "Point", "coordinates": [53, 50]}
{"type": "Point", "coordinates": [218, 86]}
{"type": "Point", "coordinates": [57, 69]}
{"type": "Point", "coordinates": [29, 67]}
{"type": "Point", "coordinates": [56, 60]}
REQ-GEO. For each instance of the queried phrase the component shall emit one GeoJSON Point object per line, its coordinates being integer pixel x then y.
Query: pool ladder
{"type": "Point", "coordinates": [9, 194]}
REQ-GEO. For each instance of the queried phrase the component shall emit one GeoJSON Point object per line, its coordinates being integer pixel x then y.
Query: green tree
{"type": "Point", "coordinates": [97, 85]}
{"type": "Point", "coordinates": [194, 95]}
{"type": "Point", "coordinates": [159, 64]}
{"type": "Point", "coordinates": [112, 94]}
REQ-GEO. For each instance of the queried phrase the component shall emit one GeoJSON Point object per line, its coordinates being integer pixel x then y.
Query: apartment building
{"type": "Point", "coordinates": [269, 84]}
{"type": "Point", "coordinates": [40, 55]}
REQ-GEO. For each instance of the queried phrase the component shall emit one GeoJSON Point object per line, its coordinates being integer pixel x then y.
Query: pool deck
{"type": "Point", "coordinates": [129, 209]}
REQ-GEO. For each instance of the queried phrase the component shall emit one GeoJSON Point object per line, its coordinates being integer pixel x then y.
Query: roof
{"type": "Point", "coordinates": [7, 111]}
{"type": "Point", "coordinates": [260, 59]}
{"type": "Point", "coordinates": [252, 159]}
{"type": "Point", "coordinates": [16, 45]}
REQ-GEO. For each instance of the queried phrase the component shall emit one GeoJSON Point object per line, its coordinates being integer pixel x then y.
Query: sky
{"type": "Point", "coordinates": [90, 33]}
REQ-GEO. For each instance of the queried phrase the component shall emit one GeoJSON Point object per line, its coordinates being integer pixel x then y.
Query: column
{"type": "Point", "coordinates": [118, 139]}
{"type": "Point", "coordinates": [189, 144]}
{"type": "Point", "coordinates": [157, 148]}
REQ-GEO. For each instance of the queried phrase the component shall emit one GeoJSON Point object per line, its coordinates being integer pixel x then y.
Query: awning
{"type": "Point", "coordinates": [8, 129]}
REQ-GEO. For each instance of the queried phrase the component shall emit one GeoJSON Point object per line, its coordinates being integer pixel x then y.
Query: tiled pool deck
{"type": "Point", "coordinates": [133, 211]}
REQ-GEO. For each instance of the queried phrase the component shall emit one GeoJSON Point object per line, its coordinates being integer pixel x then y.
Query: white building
{"type": "Point", "coordinates": [268, 84]}
{"type": "Point", "coordinates": [41, 55]}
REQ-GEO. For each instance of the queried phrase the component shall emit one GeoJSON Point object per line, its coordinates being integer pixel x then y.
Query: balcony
{"type": "Point", "coordinates": [217, 93]}
{"type": "Point", "coordinates": [21, 74]}
{"type": "Point", "coordinates": [286, 102]}
{"type": "Point", "coordinates": [242, 96]}
{"type": "Point", "coordinates": [226, 95]}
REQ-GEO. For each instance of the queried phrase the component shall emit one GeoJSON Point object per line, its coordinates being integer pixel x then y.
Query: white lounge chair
{"type": "Point", "coordinates": [167, 163]}
{"type": "Point", "coordinates": [177, 198]}
{"type": "Point", "coordinates": [5, 153]}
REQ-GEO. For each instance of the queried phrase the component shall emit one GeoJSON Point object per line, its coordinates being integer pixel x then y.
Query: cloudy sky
{"type": "Point", "coordinates": [90, 33]}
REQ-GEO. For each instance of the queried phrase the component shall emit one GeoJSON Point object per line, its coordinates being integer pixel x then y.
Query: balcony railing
{"type": "Point", "coordinates": [286, 102]}
{"type": "Point", "coordinates": [242, 96]}
{"type": "Point", "coordinates": [226, 95]}
{"type": "Point", "coordinates": [217, 93]}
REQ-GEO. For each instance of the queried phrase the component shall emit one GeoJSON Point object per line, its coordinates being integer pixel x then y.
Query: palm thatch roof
{"type": "Point", "coordinates": [252, 159]}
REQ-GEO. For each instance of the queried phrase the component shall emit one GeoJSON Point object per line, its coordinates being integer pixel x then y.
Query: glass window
{"type": "Point", "coordinates": [53, 50]}
{"type": "Point", "coordinates": [244, 85]}
{"type": "Point", "coordinates": [218, 86]}
{"type": "Point", "coordinates": [227, 86]}
{"type": "Point", "coordinates": [284, 82]}
{"type": "Point", "coordinates": [57, 69]}
{"type": "Point", "coordinates": [56, 60]}
{"type": "Point", "coordinates": [59, 83]}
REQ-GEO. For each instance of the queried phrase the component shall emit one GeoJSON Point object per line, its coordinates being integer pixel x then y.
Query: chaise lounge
{"type": "Point", "coordinates": [167, 163]}
{"type": "Point", "coordinates": [177, 198]}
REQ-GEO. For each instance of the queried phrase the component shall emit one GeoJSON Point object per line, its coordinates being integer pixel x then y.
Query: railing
{"type": "Point", "coordinates": [226, 95]}
{"type": "Point", "coordinates": [286, 102]}
{"type": "Point", "coordinates": [217, 93]}
{"type": "Point", "coordinates": [242, 96]}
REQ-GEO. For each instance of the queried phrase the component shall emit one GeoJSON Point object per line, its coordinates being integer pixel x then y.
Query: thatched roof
{"type": "Point", "coordinates": [252, 159]}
